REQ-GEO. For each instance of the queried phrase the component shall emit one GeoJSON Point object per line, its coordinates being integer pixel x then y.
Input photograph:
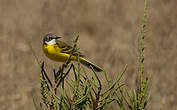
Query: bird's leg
{"type": "Point", "coordinates": [60, 76]}
{"type": "Point", "coordinates": [64, 65]}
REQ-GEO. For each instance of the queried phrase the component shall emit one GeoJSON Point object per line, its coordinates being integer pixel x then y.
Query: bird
{"type": "Point", "coordinates": [60, 51]}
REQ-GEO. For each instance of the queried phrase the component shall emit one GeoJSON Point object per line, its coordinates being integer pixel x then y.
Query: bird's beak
{"type": "Point", "coordinates": [57, 37]}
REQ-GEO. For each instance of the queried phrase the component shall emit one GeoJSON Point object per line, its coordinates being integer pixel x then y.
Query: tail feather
{"type": "Point", "coordinates": [90, 65]}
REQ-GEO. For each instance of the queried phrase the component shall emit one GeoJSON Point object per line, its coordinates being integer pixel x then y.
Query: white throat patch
{"type": "Point", "coordinates": [53, 41]}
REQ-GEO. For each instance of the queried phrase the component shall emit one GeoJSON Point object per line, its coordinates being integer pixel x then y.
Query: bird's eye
{"type": "Point", "coordinates": [50, 38]}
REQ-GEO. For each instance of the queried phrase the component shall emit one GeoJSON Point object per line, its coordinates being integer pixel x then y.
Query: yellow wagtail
{"type": "Point", "coordinates": [59, 51]}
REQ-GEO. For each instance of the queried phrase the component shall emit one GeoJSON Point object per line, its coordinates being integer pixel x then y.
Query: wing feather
{"type": "Point", "coordinates": [67, 48]}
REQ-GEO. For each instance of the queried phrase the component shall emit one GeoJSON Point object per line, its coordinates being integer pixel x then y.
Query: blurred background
{"type": "Point", "coordinates": [109, 34]}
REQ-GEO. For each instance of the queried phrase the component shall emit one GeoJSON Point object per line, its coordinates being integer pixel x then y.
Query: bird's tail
{"type": "Point", "coordinates": [90, 65]}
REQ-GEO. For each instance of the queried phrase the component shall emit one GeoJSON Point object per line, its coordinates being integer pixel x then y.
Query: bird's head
{"type": "Point", "coordinates": [50, 39]}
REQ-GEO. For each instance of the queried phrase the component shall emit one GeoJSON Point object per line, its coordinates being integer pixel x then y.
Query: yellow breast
{"type": "Point", "coordinates": [53, 52]}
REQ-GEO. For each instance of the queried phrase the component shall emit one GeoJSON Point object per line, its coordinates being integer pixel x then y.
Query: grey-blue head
{"type": "Point", "coordinates": [50, 38]}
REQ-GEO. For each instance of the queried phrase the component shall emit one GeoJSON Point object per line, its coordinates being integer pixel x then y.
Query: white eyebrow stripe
{"type": "Point", "coordinates": [51, 42]}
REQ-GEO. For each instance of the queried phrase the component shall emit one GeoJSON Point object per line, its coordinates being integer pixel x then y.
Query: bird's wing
{"type": "Point", "coordinates": [65, 48]}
